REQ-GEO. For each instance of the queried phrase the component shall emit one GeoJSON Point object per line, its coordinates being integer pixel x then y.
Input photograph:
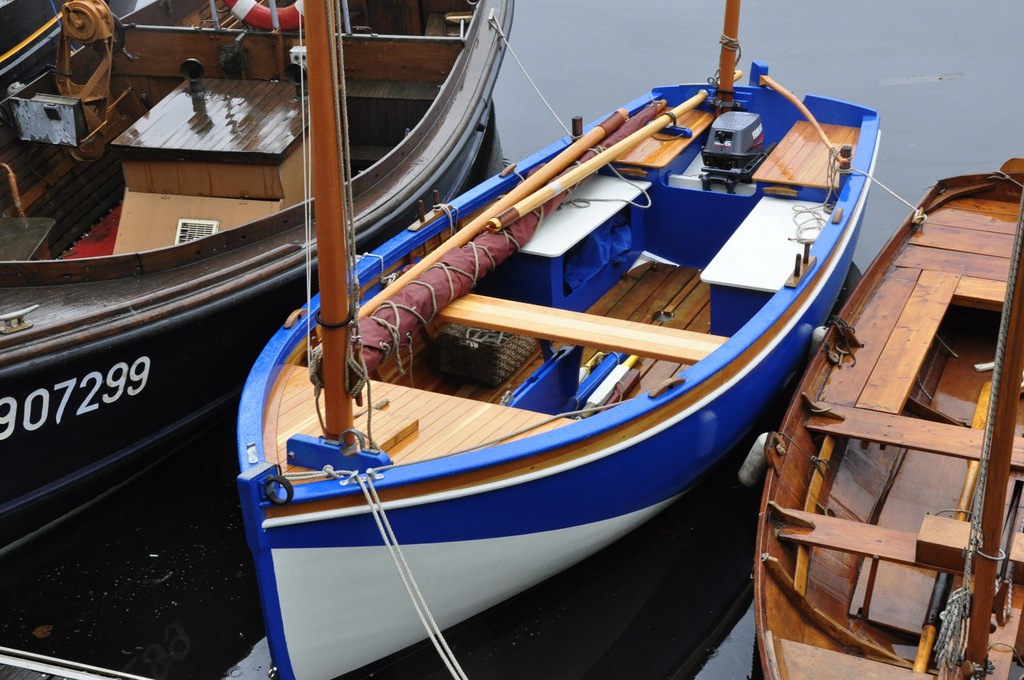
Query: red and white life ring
{"type": "Point", "coordinates": [258, 16]}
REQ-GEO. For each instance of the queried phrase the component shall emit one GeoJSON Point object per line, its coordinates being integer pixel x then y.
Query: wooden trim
{"type": "Point", "coordinates": [575, 328]}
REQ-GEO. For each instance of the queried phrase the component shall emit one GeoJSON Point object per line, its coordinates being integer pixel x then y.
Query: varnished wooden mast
{"type": "Point", "coordinates": [1003, 428]}
{"type": "Point", "coordinates": [727, 58]}
{"type": "Point", "coordinates": [324, 106]}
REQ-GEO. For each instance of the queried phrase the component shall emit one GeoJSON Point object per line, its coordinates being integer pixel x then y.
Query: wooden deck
{"type": "Point", "coordinates": [802, 158]}
{"type": "Point", "coordinates": [424, 413]}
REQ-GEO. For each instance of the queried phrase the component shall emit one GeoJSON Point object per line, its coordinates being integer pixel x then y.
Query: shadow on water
{"type": "Point", "coordinates": [156, 580]}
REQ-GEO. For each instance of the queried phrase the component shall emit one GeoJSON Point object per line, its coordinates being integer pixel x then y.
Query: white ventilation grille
{"type": "Point", "coordinates": [191, 230]}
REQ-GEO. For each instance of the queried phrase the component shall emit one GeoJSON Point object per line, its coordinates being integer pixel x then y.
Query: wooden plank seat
{"type": "Point", "coordinates": [658, 151]}
{"type": "Point", "coordinates": [873, 541]}
{"type": "Point", "coordinates": [896, 369]}
{"type": "Point", "coordinates": [801, 158]}
{"type": "Point", "coordinates": [912, 433]}
{"type": "Point", "coordinates": [576, 328]}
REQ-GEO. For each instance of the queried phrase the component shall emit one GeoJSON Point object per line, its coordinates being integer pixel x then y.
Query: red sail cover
{"type": "Point", "coordinates": [399, 319]}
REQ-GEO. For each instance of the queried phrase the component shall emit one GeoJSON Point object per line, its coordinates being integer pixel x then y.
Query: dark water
{"type": "Point", "coordinates": [157, 581]}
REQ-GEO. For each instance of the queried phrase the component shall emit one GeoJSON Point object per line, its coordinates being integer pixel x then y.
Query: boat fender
{"type": "Point", "coordinates": [754, 464]}
{"type": "Point", "coordinates": [256, 15]}
{"type": "Point", "coordinates": [817, 337]}
{"type": "Point", "coordinates": [275, 482]}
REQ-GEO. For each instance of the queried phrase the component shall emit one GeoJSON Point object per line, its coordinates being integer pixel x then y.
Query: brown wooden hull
{"type": "Point", "coordinates": [876, 439]}
{"type": "Point", "coordinates": [128, 350]}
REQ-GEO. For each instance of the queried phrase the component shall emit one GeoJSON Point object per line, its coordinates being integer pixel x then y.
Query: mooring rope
{"type": "Point", "coordinates": [411, 587]}
{"type": "Point", "coordinates": [501, 34]}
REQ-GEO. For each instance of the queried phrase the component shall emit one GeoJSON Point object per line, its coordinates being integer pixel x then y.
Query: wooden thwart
{"type": "Point", "coordinates": [575, 328]}
{"type": "Point", "coordinates": [912, 433]}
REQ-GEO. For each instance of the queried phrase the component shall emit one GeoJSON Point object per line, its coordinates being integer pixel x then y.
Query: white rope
{"type": "Point", "coordinates": [919, 216]}
{"type": "Point", "coordinates": [501, 34]}
{"type": "Point", "coordinates": [412, 589]}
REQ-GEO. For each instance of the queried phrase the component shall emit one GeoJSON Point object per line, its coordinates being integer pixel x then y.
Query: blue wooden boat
{"type": "Point", "coordinates": [602, 366]}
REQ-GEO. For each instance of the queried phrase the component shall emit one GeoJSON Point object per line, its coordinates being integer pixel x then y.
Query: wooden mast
{"type": "Point", "coordinates": [1002, 429]}
{"type": "Point", "coordinates": [324, 114]}
{"type": "Point", "coordinates": [727, 58]}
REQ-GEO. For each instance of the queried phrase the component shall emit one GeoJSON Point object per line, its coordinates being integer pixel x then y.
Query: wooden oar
{"type": "Point", "coordinates": [544, 174]}
{"type": "Point", "coordinates": [584, 170]}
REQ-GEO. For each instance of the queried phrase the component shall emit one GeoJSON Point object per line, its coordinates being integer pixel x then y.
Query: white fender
{"type": "Point", "coordinates": [258, 16]}
{"type": "Point", "coordinates": [752, 470]}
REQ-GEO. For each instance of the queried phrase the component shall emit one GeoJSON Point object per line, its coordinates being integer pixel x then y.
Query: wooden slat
{"type": "Point", "coordinates": [976, 215]}
{"type": "Point", "coordinates": [845, 384]}
{"type": "Point", "coordinates": [912, 433]}
{"type": "Point", "coordinates": [896, 369]}
{"type": "Point", "coordinates": [963, 240]}
{"type": "Point", "coordinates": [574, 328]}
{"type": "Point", "coordinates": [965, 264]}
{"type": "Point", "coordinates": [659, 150]}
{"type": "Point", "coordinates": [801, 158]}
{"type": "Point", "coordinates": [980, 293]}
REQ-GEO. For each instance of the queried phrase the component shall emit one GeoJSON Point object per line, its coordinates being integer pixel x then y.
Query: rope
{"type": "Point", "coordinates": [501, 34]}
{"type": "Point", "coordinates": [919, 216]}
{"type": "Point", "coordinates": [412, 589]}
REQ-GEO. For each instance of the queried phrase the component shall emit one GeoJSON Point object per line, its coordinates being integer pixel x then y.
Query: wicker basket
{"type": "Point", "coordinates": [485, 356]}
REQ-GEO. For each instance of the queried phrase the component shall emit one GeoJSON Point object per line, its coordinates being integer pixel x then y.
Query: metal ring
{"type": "Point", "coordinates": [281, 481]}
{"type": "Point", "coordinates": [325, 324]}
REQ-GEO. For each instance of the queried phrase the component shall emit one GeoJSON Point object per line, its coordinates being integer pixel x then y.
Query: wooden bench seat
{"type": "Point", "coordinates": [801, 158]}
{"type": "Point", "coordinates": [896, 369]}
{"type": "Point", "coordinates": [912, 433]}
{"type": "Point", "coordinates": [576, 328]}
{"type": "Point", "coordinates": [873, 541]}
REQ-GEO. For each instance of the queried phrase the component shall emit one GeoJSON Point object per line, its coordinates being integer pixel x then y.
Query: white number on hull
{"type": "Point", "coordinates": [92, 390]}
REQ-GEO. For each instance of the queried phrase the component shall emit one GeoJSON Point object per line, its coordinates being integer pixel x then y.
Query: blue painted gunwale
{"type": "Point", "coordinates": [639, 455]}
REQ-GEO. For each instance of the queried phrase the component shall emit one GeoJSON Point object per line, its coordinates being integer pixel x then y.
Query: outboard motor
{"type": "Point", "coordinates": [734, 150]}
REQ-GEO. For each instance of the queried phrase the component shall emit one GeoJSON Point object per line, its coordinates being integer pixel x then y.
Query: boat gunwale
{"type": "Point", "coordinates": [742, 353]}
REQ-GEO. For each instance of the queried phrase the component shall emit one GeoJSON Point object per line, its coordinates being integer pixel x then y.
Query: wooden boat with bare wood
{"type": "Point", "coordinates": [900, 455]}
{"type": "Point", "coordinates": [154, 231]}
{"type": "Point", "coordinates": [562, 354]}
